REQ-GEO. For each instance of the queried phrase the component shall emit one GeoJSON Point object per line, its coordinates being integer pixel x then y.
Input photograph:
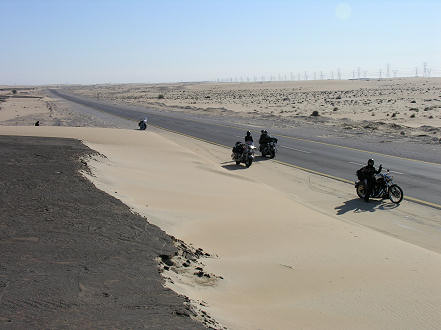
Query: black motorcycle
{"type": "Point", "coordinates": [142, 125]}
{"type": "Point", "coordinates": [243, 153]}
{"type": "Point", "coordinates": [384, 188]}
{"type": "Point", "coordinates": [269, 148]}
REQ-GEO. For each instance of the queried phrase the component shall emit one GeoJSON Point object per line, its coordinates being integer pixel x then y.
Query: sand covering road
{"type": "Point", "coordinates": [284, 263]}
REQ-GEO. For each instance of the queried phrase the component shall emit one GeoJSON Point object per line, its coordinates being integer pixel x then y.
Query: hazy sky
{"type": "Point", "coordinates": [76, 41]}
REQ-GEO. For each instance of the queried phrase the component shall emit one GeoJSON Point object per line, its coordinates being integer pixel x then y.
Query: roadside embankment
{"type": "Point", "coordinates": [277, 259]}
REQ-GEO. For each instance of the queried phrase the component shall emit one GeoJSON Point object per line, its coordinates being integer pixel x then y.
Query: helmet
{"type": "Point", "coordinates": [265, 132]}
{"type": "Point", "coordinates": [371, 162]}
{"type": "Point", "coordinates": [248, 133]}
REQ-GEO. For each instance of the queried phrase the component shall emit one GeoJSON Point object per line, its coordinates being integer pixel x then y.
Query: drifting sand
{"type": "Point", "coordinates": [31, 104]}
{"type": "Point", "coordinates": [286, 261]}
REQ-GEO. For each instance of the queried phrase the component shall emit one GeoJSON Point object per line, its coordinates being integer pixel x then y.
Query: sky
{"type": "Point", "coordinates": [110, 41]}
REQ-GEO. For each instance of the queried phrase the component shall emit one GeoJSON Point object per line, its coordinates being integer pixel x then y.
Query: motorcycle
{"type": "Point", "coordinates": [269, 148]}
{"type": "Point", "coordinates": [243, 153]}
{"type": "Point", "coordinates": [142, 125]}
{"type": "Point", "coordinates": [384, 188]}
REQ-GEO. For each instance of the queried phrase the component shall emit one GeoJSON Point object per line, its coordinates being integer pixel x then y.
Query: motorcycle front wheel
{"type": "Point", "coordinates": [272, 154]}
{"type": "Point", "coordinates": [249, 162]}
{"type": "Point", "coordinates": [395, 194]}
{"type": "Point", "coordinates": [361, 191]}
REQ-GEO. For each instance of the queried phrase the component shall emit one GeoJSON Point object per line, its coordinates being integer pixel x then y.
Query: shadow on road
{"type": "Point", "coordinates": [234, 167]}
{"type": "Point", "coordinates": [358, 205]}
{"type": "Point", "coordinates": [260, 158]}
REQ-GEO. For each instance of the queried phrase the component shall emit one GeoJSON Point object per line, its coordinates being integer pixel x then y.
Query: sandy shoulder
{"type": "Point", "coordinates": [33, 104]}
{"type": "Point", "coordinates": [286, 259]}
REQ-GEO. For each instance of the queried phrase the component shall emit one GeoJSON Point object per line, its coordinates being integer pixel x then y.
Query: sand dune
{"type": "Point", "coordinates": [284, 262]}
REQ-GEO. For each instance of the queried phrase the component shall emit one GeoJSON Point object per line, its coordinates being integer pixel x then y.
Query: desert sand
{"type": "Point", "coordinates": [31, 104]}
{"type": "Point", "coordinates": [286, 249]}
{"type": "Point", "coordinates": [277, 260]}
{"type": "Point", "coordinates": [406, 106]}
{"type": "Point", "coordinates": [71, 255]}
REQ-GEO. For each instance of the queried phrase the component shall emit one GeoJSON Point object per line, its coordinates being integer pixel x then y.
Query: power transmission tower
{"type": "Point", "coordinates": [339, 74]}
{"type": "Point", "coordinates": [380, 74]}
{"type": "Point", "coordinates": [388, 70]}
{"type": "Point", "coordinates": [416, 72]}
{"type": "Point", "coordinates": [321, 75]}
{"type": "Point", "coordinates": [425, 69]}
{"type": "Point", "coordinates": [306, 75]}
{"type": "Point", "coordinates": [358, 72]}
{"type": "Point", "coordinates": [332, 75]}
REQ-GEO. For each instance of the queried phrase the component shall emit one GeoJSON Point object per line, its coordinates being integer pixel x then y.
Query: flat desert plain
{"type": "Point", "coordinates": [401, 106]}
{"type": "Point", "coordinates": [285, 249]}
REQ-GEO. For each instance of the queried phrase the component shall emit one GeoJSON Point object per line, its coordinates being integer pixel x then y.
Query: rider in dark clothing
{"type": "Point", "coordinates": [249, 138]}
{"type": "Point", "coordinates": [263, 137]}
{"type": "Point", "coordinates": [368, 172]}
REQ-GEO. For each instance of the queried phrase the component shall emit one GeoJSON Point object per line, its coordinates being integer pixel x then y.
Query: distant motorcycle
{"type": "Point", "coordinates": [384, 188]}
{"type": "Point", "coordinates": [269, 148]}
{"type": "Point", "coordinates": [142, 125]}
{"type": "Point", "coordinates": [243, 153]}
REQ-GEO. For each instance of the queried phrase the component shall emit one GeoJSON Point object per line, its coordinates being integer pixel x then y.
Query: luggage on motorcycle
{"type": "Point", "coordinates": [238, 147]}
{"type": "Point", "coordinates": [361, 174]}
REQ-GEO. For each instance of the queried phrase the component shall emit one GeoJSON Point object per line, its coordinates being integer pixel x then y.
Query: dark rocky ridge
{"type": "Point", "coordinates": [71, 255]}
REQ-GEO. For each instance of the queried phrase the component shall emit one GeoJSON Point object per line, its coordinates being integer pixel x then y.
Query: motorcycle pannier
{"type": "Point", "coordinates": [360, 174]}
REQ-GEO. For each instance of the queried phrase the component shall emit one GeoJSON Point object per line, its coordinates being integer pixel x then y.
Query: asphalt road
{"type": "Point", "coordinates": [419, 175]}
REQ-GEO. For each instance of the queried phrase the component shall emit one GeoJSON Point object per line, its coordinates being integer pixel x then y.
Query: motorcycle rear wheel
{"type": "Point", "coordinates": [395, 194]}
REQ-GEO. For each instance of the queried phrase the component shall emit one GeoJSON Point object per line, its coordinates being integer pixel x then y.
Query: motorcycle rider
{"type": "Point", "coordinates": [143, 123]}
{"type": "Point", "coordinates": [249, 138]}
{"type": "Point", "coordinates": [368, 174]}
{"type": "Point", "coordinates": [263, 137]}
{"type": "Point", "coordinates": [238, 148]}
